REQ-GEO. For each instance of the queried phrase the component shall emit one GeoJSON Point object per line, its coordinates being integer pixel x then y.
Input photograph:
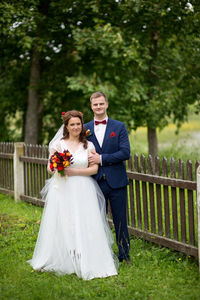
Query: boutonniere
{"type": "Point", "coordinates": [112, 134]}
{"type": "Point", "coordinates": [88, 133]}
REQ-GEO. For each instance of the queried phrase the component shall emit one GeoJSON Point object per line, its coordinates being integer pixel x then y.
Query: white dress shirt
{"type": "Point", "coordinates": [100, 130]}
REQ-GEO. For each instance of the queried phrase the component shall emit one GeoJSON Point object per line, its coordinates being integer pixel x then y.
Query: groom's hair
{"type": "Point", "coordinates": [97, 95]}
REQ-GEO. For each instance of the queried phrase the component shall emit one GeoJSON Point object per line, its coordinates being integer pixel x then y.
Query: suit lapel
{"type": "Point", "coordinates": [93, 136]}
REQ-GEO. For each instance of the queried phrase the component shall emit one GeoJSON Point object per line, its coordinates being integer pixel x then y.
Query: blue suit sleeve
{"type": "Point", "coordinates": [123, 152]}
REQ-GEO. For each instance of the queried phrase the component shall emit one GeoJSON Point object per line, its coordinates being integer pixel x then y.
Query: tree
{"type": "Point", "coordinates": [139, 56]}
{"type": "Point", "coordinates": [161, 28]}
{"type": "Point", "coordinates": [40, 32]}
{"type": "Point", "coordinates": [140, 53]}
{"type": "Point", "coordinates": [20, 21]}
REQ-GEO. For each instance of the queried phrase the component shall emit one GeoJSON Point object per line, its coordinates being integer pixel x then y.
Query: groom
{"type": "Point", "coordinates": [110, 139]}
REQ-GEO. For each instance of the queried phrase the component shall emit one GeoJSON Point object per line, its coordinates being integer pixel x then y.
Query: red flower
{"type": "Point", "coordinates": [60, 161]}
{"type": "Point", "coordinates": [60, 168]}
{"type": "Point", "coordinates": [112, 134]}
{"type": "Point", "coordinates": [63, 113]}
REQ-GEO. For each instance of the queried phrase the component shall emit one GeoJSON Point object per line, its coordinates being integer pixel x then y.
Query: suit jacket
{"type": "Point", "coordinates": [114, 151]}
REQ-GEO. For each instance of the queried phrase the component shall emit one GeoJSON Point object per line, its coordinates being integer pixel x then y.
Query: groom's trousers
{"type": "Point", "coordinates": [118, 200]}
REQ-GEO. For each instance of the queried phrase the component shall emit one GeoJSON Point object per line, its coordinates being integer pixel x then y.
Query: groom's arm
{"type": "Point", "coordinates": [123, 152]}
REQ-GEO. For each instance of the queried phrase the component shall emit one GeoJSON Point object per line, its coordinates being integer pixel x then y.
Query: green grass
{"type": "Point", "coordinates": [184, 145]}
{"type": "Point", "coordinates": [155, 273]}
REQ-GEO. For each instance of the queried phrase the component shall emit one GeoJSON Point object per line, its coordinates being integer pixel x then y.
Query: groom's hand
{"type": "Point", "coordinates": [94, 158]}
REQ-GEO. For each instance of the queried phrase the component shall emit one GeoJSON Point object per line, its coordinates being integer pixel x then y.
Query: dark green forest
{"type": "Point", "coordinates": [145, 55]}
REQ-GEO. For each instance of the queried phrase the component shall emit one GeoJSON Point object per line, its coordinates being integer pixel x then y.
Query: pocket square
{"type": "Point", "coordinates": [112, 134]}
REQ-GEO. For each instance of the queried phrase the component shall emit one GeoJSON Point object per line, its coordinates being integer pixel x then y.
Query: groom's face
{"type": "Point", "coordinates": [99, 107]}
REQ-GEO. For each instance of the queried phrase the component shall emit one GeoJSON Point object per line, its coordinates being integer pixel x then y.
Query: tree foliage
{"type": "Point", "coordinates": [145, 69]}
{"type": "Point", "coordinates": [143, 54]}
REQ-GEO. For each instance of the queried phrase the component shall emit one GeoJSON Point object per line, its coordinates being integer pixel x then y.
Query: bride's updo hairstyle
{"type": "Point", "coordinates": [74, 114]}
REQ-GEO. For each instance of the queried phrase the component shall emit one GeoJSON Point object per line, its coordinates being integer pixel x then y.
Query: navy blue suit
{"type": "Point", "coordinates": [112, 177]}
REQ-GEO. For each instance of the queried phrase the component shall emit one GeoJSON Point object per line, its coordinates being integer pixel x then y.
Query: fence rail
{"type": "Point", "coordinates": [6, 168]}
{"type": "Point", "coordinates": [162, 202]}
{"type": "Point", "coordinates": [35, 160]}
{"type": "Point", "coordinates": [163, 209]}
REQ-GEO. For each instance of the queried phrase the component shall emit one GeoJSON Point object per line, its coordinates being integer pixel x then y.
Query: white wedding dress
{"type": "Point", "coordinates": [74, 236]}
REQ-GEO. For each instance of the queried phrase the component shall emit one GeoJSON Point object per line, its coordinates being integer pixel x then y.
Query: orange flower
{"type": "Point", "coordinates": [60, 161]}
{"type": "Point", "coordinates": [65, 163]}
{"type": "Point", "coordinates": [88, 133]}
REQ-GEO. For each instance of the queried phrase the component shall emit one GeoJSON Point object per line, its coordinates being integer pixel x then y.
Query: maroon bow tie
{"type": "Point", "coordinates": [100, 122]}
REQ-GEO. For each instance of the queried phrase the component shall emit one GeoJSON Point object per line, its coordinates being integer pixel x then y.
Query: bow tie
{"type": "Point", "coordinates": [100, 122]}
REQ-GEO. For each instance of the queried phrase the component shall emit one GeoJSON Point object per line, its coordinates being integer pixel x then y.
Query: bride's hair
{"type": "Point", "coordinates": [74, 114]}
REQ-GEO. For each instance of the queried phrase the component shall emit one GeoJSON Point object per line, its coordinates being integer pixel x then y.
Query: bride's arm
{"type": "Point", "coordinates": [56, 147]}
{"type": "Point", "coordinates": [49, 169]}
{"type": "Point", "coordinates": [90, 170]}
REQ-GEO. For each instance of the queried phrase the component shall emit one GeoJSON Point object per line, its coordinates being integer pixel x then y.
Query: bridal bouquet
{"type": "Point", "coordinates": [60, 161]}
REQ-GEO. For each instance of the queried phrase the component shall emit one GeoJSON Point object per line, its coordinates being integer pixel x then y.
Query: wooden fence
{"type": "Point", "coordinates": [162, 203]}
{"type": "Point", "coordinates": [35, 160]}
{"type": "Point", "coordinates": [162, 206]}
{"type": "Point", "coordinates": [6, 168]}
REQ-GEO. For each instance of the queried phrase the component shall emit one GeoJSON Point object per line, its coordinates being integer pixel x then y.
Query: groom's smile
{"type": "Point", "coordinates": [99, 107]}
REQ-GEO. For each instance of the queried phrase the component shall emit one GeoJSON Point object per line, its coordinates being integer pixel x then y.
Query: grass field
{"type": "Point", "coordinates": [184, 145]}
{"type": "Point", "coordinates": [155, 272]}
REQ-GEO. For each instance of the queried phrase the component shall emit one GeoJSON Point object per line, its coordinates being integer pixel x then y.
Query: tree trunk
{"type": "Point", "coordinates": [151, 132]}
{"type": "Point", "coordinates": [32, 116]}
{"type": "Point", "coordinates": [40, 123]}
{"type": "Point", "coordinates": [152, 142]}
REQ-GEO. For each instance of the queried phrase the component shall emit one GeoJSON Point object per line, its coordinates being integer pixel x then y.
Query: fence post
{"type": "Point", "coordinates": [198, 211]}
{"type": "Point", "coordinates": [18, 171]}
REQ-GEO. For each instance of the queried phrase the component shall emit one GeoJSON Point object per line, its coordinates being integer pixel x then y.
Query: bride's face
{"type": "Point", "coordinates": [74, 127]}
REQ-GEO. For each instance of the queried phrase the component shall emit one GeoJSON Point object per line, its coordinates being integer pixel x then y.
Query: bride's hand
{"type": "Point", "coordinates": [69, 171]}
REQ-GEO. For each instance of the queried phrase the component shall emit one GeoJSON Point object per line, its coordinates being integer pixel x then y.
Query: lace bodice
{"type": "Point", "coordinates": [80, 156]}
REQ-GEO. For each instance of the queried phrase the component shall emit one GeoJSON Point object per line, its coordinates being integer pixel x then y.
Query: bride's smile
{"type": "Point", "coordinates": [74, 127]}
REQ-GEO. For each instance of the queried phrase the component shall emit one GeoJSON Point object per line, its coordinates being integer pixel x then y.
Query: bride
{"type": "Point", "coordinates": [74, 236]}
